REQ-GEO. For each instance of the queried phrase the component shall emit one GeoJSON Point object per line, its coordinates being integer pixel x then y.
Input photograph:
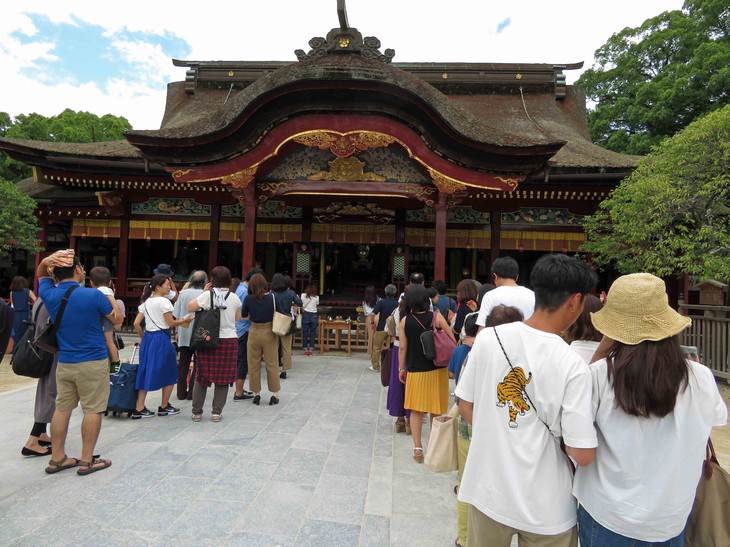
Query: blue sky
{"type": "Point", "coordinates": [116, 58]}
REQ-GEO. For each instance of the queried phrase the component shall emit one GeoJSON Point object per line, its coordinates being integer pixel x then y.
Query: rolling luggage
{"type": "Point", "coordinates": [122, 393]}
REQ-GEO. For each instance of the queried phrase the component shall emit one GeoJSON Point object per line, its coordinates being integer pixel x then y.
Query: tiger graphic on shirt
{"type": "Point", "coordinates": [509, 392]}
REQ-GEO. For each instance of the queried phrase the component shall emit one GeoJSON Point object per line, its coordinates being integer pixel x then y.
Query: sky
{"type": "Point", "coordinates": [116, 58]}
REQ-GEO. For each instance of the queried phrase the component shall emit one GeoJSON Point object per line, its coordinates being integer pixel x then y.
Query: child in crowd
{"type": "Point", "coordinates": [100, 278]}
{"type": "Point", "coordinates": [461, 352]}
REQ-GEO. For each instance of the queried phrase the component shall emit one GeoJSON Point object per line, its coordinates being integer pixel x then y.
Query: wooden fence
{"type": "Point", "coordinates": [711, 334]}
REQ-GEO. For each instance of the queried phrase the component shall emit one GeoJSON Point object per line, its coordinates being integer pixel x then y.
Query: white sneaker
{"type": "Point", "coordinates": [374, 369]}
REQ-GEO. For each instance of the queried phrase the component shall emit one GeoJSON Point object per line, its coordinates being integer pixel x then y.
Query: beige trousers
{"type": "Point", "coordinates": [481, 530]}
{"type": "Point", "coordinates": [263, 345]}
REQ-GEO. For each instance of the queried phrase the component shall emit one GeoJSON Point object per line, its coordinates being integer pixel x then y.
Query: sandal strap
{"type": "Point", "coordinates": [58, 463]}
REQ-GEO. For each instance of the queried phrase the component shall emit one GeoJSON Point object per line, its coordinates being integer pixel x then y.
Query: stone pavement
{"type": "Point", "coordinates": [323, 467]}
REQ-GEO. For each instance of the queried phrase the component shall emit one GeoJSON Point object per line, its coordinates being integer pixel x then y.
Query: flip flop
{"type": "Point", "coordinates": [91, 466]}
{"type": "Point", "coordinates": [58, 465]}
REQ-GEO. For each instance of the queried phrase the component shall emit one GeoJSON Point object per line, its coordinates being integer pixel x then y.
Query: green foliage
{"type": "Point", "coordinates": [68, 126]}
{"type": "Point", "coordinates": [651, 81]}
{"type": "Point", "coordinates": [672, 215]}
{"type": "Point", "coordinates": [18, 225]}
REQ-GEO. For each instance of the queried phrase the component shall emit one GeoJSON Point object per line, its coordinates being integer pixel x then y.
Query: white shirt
{"type": "Point", "coordinates": [520, 297]}
{"type": "Point", "coordinates": [584, 348]}
{"type": "Point", "coordinates": [228, 315]}
{"type": "Point", "coordinates": [643, 481]}
{"type": "Point", "coordinates": [310, 304]}
{"type": "Point", "coordinates": [154, 309]}
{"type": "Point", "coordinates": [516, 473]}
{"type": "Point", "coordinates": [106, 291]}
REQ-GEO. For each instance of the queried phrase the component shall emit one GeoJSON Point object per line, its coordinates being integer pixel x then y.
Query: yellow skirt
{"type": "Point", "coordinates": [428, 391]}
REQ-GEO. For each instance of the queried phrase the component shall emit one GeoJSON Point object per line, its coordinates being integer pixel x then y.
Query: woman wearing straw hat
{"type": "Point", "coordinates": [654, 411]}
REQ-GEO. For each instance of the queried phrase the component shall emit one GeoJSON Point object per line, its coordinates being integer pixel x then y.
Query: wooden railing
{"type": "Point", "coordinates": [711, 334]}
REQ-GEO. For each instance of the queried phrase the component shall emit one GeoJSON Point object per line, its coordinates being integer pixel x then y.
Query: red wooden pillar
{"type": "Point", "coordinates": [123, 256]}
{"type": "Point", "coordinates": [215, 227]}
{"type": "Point", "coordinates": [249, 234]}
{"type": "Point", "coordinates": [439, 266]}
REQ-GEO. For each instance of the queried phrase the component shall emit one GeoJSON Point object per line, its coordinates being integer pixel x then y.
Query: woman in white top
{"type": "Point", "coordinates": [157, 360]}
{"type": "Point", "coordinates": [653, 411]}
{"type": "Point", "coordinates": [310, 301]}
{"type": "Point", "coordinates": [217, 365]}
{"type": "Point", "coordinates": [368, 304]}
{"type": "Point", "coordinates": [582, 335]}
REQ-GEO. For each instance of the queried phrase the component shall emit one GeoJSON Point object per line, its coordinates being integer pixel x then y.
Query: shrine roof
{"type": "Point", "coordinates": [206, 112]}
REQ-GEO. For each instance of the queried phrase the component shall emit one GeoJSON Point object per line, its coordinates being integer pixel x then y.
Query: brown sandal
{"type": "Point", "coordinates": [56, 466]}
{"type": "Point", "coordinates": [91, 467]}
{"type": "Point", "coordinates": [418, 455]}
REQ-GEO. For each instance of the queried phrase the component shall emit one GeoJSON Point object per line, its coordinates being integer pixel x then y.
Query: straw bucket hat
{"type": "Point", "coordinates": [637, 309]}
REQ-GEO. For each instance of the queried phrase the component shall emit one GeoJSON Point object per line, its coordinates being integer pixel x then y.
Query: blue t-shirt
{"type": "Point", "coordinates": [80, 337]}
{"type": "Point", "coordinates": [457, 360]}
{"type": "Point", "coordinates": [444, 304]}
{"type": "Point", "coordinates": [242, 325]}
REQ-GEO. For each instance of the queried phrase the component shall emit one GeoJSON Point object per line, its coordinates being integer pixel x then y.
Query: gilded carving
{"type": "Point", "coordinates": [446, 184]}
{"type": "Point", "coordinates": [344, 144]}
{"type": "Point", "coordinates": [320, 139]}
{"type": "Point", "coordinates": [542, 217]}
{"type": "Point", "coordinates": [240, 179]}
{"type": "Point", "coordinates": [179, 173]}
{"type": "Point", "coordinates": [268, 189]}
{"type": "Point", "coordinates": [347, 170]}
{"type": "Point", "coordinates": [509, 181]}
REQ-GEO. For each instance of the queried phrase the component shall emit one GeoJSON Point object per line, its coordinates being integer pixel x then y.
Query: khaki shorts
{"type": "Point", "coordinates": [482, 530]}
{"type": "Point", "coordinates": [86, 382]}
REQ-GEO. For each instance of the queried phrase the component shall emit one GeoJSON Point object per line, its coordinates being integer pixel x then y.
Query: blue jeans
{"type": "Point", "coordinates": [592, 534]}
{"type": "Point", "coordinates": [309, 330]}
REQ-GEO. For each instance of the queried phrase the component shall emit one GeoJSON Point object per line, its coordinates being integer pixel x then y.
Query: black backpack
{"type": "Point", "coordinates": [28, 359]}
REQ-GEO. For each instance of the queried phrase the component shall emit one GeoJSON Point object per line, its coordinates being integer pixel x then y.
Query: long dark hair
{"type": "Point", "coordinates": [648, 376]}
{"type": "Point", "coordinates": [370, 298]}
{"type": "Point", "coordinates": [310, 291]}
{"type": "Point", "coordinates": [466, 290]}
{"type": "Point", "coordinates": [583, 328]}
{"type": "Point", "coordinates": [150, 287]}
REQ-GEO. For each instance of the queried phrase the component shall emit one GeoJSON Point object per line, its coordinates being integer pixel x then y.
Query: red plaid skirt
{"type": "Point", "coordinates": [217, 366]}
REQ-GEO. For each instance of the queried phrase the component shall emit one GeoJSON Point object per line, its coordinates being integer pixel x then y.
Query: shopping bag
{"type": "Point", "coordinates": [708, 524]}
{"type": "Point", "coordinates": [441, 455]}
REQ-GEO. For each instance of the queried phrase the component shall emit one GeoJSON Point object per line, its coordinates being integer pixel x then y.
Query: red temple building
{"type": "Point", "coordinates": [341, 168]}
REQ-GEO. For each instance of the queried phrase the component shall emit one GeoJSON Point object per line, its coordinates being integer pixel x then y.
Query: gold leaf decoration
{"type": "Point", "coordinates": [348, 169]}
{"type": "Point", "coordinates": [240, 179]}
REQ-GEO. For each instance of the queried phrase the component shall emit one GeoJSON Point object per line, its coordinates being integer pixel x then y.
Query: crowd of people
{"type": "Point", "coordinates": [578, 418]}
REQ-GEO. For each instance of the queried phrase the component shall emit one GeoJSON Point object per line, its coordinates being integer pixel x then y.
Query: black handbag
{"type": "Point", "coordinates": [206, 327]}
{"type": "Point", "coordinates": [118, 340]}
{"type": "Point", "coordinates": [28, 359]}
{"type": "Point", "coordinates": [46, 340]}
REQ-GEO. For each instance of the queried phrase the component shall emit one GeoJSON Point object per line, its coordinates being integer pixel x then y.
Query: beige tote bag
{"type": "Point", "coordinates": [281, 324]}
{"type": "Point", "coordinates": [709, 522]}
{"type": "Point", "coordinates": [441, 454]}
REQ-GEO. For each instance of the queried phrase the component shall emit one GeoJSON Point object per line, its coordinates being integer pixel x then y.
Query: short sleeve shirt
{"type": "Point", "coordinates": [228, 316]}
{"type": "Point", "coordinates": [154, 310]}
{"type": "Point", "coordinates": [516, 472]}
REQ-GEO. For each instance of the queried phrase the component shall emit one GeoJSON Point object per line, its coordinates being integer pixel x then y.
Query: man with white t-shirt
{"type": "Point", "coordinates": [505, 272]}
{"type": "Point", "coordinates": [523, 391]}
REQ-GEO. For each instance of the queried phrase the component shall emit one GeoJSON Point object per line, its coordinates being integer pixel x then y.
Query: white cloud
{"type": "Point", "coordinates": [458, 30]}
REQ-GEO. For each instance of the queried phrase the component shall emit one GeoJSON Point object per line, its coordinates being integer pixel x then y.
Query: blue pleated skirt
{"type": "Point", "coordinates": [157, 361]}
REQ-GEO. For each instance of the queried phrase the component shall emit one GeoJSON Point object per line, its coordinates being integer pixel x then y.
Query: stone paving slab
{"type": "Point", "coordinates": [323, 467]}
{"type": "Point", "coordinates": [317, 469]}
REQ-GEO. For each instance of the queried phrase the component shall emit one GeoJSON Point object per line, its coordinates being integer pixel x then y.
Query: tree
{"type": "Point", "coordinates": [672, 214]}
{"type": "Point", "coordinates": [651, 81]}
{"type": "Point", "coordinates": [68, 126]}
{"type": "Point", "coordinates": [18, 225]}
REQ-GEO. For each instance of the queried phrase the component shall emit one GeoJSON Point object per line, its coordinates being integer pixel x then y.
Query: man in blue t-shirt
{"type": "Point", "coordinates": [444, 303]}
{"type": "Point", "coordinates": [83, 362]}
{"type": "Point", "coordinates": [383, 308]}
{"type": "Point", "coordinates": [242, 328]}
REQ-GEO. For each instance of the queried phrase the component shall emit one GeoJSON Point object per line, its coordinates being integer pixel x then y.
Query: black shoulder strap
{"type": "Point", "coordinates": [57, 322]}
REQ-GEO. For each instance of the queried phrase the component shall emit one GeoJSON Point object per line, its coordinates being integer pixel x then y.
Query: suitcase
{"type": "Point", "coordinates": [122, 393]}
